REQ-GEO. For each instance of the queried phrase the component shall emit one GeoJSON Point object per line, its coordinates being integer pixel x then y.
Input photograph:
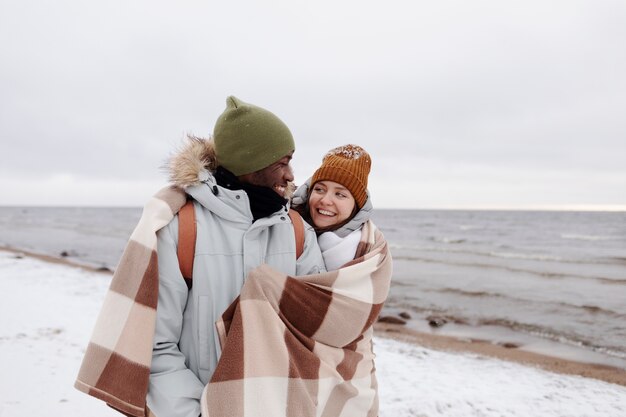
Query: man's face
{"type": "Point", "coordinates": [275, 176]}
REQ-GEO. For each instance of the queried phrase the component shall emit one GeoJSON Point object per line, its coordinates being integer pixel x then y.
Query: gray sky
{"type": "Point", "coordinates": [461, 104]}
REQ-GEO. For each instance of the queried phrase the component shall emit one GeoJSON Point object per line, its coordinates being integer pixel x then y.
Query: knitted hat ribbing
{"type": "Point", "coordinates": [348, 165]}
{"type": "Point", "coordinates": [249, 138]}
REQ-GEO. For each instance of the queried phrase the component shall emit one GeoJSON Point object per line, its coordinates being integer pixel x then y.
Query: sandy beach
{"type": "Point", "coordinates": [53, 306]}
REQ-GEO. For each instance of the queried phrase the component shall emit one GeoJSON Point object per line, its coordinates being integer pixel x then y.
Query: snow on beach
{"type": "Point", "coordinates": [48, 311]}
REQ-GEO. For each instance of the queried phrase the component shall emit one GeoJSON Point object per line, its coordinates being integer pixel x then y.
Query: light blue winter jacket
{"type": "Point", "coordinates": [228, 246]}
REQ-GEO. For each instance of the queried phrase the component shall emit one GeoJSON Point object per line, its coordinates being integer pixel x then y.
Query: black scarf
{"type": "Point", "coordinates": [263, 200]}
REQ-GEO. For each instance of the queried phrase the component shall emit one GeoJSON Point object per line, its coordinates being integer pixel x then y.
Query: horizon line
{"type": "Point", "coordinates": [472, 207]}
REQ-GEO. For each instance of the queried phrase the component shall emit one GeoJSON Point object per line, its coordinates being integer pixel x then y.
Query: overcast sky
{"type": "Point", "coordinates": [460, 103]}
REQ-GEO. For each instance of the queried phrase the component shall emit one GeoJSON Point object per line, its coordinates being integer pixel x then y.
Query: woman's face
{"type": "Point", "coordinates": [330, 203]}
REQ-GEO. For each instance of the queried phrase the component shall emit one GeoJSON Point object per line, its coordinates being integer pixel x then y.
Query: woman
{"type": "Point", "coordinates": [302, 346]}
{"type": "Point", "coordinates": [336, 203]}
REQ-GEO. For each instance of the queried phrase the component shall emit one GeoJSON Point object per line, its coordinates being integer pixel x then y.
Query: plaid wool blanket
{"type": "Point", "coordinates": [116, 365]}
{"type": "Point", "coordinates": [290, 346]}
{"type": "Point", "coordinates": [302, 346]}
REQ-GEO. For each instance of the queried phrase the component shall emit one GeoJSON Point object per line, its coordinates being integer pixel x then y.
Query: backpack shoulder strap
{"type": "Point", "coordinates": [187, 241]}
{"type": "Point", "coordinates": [187, 238]}
{"type": "Point", "coordinates": [298, 229]}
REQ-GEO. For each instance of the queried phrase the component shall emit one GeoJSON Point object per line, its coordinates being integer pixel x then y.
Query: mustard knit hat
{"type": "Point", "coordinates": [348, 165]}
{"type": "Point", "coordinates": [249, 138]}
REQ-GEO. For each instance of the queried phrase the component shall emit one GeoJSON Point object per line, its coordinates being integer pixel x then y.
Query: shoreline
{"type": "Point", "coordinates": [55, 260]}
{"type": "Point", "coordinates": [483, 347]}
{"type": "Point", "coordinates": [447, 343]}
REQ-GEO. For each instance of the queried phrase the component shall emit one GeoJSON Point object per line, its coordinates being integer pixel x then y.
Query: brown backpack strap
{"type": "Point", "coordinates": [187, 241]}
{"type": "Point", "coordinates": [298, 229]}
{"type": "Point", "coordinates": [187, 238]}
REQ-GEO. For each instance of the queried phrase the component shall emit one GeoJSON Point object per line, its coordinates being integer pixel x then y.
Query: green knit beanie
{"type": "Point", "coordinates": [249, 138]}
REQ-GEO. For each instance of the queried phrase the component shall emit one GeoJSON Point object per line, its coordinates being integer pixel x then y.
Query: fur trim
{"type": "Point", "coordinates": [291, 189]}
{"type": "Point", "coordinates": [193, 159]}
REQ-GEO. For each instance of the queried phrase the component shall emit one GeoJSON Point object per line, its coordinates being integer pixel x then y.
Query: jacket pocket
{"type": "Point", "coordinates": [204, 332]}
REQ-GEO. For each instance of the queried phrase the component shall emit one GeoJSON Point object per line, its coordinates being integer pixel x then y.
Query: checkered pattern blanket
{"type": "Point", "coordinates": [302, 346]}
{"type": "Point", "coordinates": [116, 366]}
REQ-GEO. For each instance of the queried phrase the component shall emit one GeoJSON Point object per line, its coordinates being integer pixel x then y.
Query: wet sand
{"type": "Point", "coordinates": [55, 260]}
{"type": "Point", "coordinates": [487, 348]}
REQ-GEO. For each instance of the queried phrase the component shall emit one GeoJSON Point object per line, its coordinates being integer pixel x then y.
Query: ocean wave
{"type": "Point", "coordinates": [445, 239]}
{"type": "Point", "coordinates": [466, 227]}
{"type": "Point", "coordinates": [471, 293]}
{"type": "Point", "coordinates": [619, 259]}
{"type": "Point", "coordinates": [595, 310]}
{"type": "Point", "coordinates": [397, 283]}
{"type": "Point", "coordinates": [588, 237]}
{"type": "Point", "coordinates": [556, 336]}
{"type": "Point", "coordinates": [507, 255]}
{"type": "Point", "coordinates": [543, 274]}
{"type": "Point", "coordinates": [528, 256]}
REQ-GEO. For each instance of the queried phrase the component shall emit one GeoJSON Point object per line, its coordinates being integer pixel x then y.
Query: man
{"type": "Point", "coordinates": [238, 188]}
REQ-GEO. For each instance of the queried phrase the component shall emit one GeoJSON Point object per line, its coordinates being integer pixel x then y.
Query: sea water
{"type": "Point", "coordinates": [550, 276]}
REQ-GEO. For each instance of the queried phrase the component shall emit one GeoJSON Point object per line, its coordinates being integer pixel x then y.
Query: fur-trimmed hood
{"type": "Point", "coordinates": [192, 163]}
